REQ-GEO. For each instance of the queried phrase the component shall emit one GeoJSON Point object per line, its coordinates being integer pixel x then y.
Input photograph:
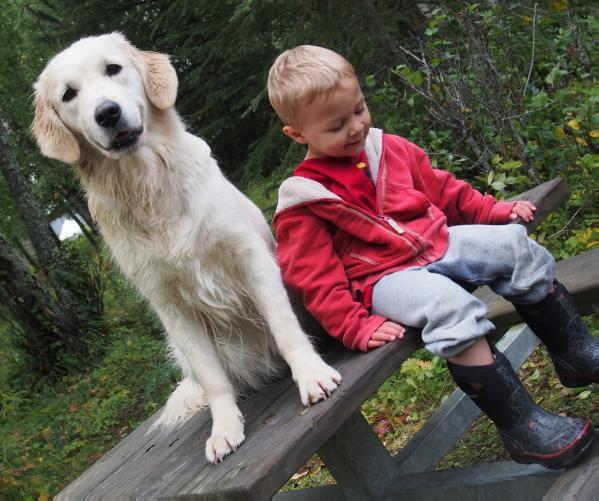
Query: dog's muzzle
{"type": "Point", "coordinates": [108, 115]}
{"type": "Point", "coordinates": [126, 138]}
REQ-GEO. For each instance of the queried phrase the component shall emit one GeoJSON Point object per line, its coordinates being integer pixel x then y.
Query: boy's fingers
{"type": "Point", "coordinates": [391, 327]}
{"type": "Point", "coordinates": [382, 336]}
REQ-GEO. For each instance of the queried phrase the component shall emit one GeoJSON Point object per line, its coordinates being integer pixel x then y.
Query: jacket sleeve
{"type": "Point", "coordinates": [458, 200]}
{"type": "Point", "coordinates": [311, 266]}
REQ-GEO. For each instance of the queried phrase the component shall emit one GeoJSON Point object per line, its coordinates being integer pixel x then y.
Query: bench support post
{"type": "Point", "coordinates": [357, 459]}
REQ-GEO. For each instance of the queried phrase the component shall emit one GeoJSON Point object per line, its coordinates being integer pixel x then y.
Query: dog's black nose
{"type": "Point", "coordinates": [107, 114]}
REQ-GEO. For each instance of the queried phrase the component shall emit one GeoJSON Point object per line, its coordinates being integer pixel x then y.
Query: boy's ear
{"type": "Point", "coordinates": [295, 134]}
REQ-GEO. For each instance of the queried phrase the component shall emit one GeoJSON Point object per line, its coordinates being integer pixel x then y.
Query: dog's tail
{"type": "Point", "coordinates": [184, 402]}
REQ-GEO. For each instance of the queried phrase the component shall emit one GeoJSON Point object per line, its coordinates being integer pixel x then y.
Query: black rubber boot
{"type": "Point", "coordinates": [529, 433]}
{"type": "Point", "coordinates": [556, 322]}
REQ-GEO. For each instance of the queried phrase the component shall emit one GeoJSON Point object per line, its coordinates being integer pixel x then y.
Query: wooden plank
{"type": "Point", "coordinates": [578, 483]}
{"type": "Point", "coordinates": [496, 481]}
{"type": "Point", "coordinates": [547, 197]}
{"type": "Point", "coordinates": [165, 465]}
{"type": "Point", "coordinates": [276, 450]}
{"type": "Point", "coordinates": [321, 493]}
{"type": "Point", "coordinates": [281, 436]}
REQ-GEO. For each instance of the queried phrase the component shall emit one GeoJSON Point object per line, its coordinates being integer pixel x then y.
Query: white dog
{"type": "Point", "coordinates": [193, 245]}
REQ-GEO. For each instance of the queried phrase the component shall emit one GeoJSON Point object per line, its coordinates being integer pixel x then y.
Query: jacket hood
{"type": "Point", "coordinates": [298, 190]}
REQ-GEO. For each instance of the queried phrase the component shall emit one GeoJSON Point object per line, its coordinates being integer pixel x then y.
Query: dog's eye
{"type": "Point", "coordinates": [69, 94]}
{"type": "Point", "coordinates": [112, 69]}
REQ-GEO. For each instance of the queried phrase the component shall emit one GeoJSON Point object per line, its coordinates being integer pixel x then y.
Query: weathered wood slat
{"type": "Point", "coordinates": [496, 481]}
{"type": "Point", "coordinates": [580, 483]}
{"type": "Point", "coordinates": [547, 197]}
{"type": "Point", "coordinates": [489, 482]}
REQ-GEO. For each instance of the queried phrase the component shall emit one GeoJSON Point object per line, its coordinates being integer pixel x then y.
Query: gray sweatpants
{"type": "Point", "coordinates": [502, 257]}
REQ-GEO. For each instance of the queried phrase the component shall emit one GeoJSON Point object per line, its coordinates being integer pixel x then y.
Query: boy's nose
{"type": "Point", "coordinates": [357, 127]}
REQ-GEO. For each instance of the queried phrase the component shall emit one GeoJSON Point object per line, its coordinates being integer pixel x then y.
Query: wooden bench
{"type": "Point", "coordinates": [282, 435]}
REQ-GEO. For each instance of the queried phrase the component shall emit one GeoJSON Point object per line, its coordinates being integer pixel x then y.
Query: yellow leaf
{"type": "Point", "coordinates": [526, 19]}
{"type": "Point", "coordinates": [559, 132]}
{"type": "Point", "coordinates": [594, 133]}
{"type": "Point", "coordinates": [573, 124]}
{"type": "Point", "coordinates": [559, 5]}
{"type": "Point", "coordinates": [581, 141]}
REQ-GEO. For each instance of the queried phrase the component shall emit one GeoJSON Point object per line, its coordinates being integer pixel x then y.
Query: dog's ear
{"type": "Point", "coordinates": [159, 77]}
{"type": "Point", "coordinates": [51, 134]}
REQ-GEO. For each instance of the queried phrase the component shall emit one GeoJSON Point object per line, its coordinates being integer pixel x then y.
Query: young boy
{"type": "Point", "coordinates": [371, 235]}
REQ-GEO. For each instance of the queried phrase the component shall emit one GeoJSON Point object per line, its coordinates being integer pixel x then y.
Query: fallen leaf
{"type": "Point", "coordinates": [302, 472]}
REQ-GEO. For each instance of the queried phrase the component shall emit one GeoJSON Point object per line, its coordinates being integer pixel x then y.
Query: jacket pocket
{"type": "Point", "coordinates": [405, 204]}
{"type": "Point", "coordinates": [364, 259]}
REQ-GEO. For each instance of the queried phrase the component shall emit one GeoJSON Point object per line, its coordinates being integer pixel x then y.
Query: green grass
{"type": "Point", "coordinates": [61, 430]}
{"type": "Point", "coordinates": [51, 432]}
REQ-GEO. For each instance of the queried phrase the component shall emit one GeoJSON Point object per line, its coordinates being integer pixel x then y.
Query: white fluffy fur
{"type": "Point", "coordinates": [192, 244]}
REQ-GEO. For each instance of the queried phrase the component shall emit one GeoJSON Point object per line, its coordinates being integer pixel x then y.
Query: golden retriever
{"type": "Point", "coordinates": [192, 244]}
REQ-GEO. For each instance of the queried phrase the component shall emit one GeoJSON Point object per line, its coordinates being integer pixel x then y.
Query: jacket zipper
{"type": "Point", "coordinates": [391, 222]}
{"type": "Point", "coordinates": [397, 230]}
{"type": "Point", "coordinates": [417, 245]}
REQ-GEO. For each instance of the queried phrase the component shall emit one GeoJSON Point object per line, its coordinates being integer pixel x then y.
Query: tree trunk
{"type": "Point", "coordinates": [41, 323]}
{"type": "Point", "coordinates": [42, 237]}
{"type": "Point", "coordinates": [45, 243]}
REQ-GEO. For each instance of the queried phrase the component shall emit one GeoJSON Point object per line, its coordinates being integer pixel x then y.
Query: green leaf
{"type": "Point", "coordinates": [584, 395]}
{"type": "Point", "coordinates": [554, 75]}
{"type": "Point", "coordinates": [510, 164]}
{"type": "Point", "coordinates": [540, 100]}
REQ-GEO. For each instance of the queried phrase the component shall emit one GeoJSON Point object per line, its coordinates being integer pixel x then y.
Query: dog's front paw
{"type": "Point", "coordinates": [226, 438]}
{"type": "Point", "coordinates": [316, 380]}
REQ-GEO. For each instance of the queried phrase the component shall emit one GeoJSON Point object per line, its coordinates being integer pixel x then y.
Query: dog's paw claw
{"type": "Point", "coordinates": [318, 384]}
{"type": "Point", "coordinates": [222, 444]}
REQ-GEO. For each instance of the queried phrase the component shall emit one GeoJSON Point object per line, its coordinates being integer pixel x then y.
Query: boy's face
{"type": "Point", "coordinates": [335, 124]}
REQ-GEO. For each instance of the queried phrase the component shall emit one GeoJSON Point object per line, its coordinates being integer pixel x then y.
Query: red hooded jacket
{"type": "Point", "coordinates": [332, 251]}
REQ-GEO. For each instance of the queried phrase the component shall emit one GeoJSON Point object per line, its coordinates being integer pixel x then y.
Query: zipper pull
{"type": "Point", "coordinates": [394, 225]}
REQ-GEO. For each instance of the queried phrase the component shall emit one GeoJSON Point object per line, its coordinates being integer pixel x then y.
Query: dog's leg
{"type": "Point", "coordinates": [315, 379]}
{"type": "Point", "coordinates": [187, 399]}
{"type": "Point", "coordinates": [191, 339]}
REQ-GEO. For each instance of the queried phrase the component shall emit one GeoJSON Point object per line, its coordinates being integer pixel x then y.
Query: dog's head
{"type": "Point", "coordinates": [99, 90]}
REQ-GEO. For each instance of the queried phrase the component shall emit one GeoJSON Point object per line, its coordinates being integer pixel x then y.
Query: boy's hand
{"type": "Point", "coordinates": [387, 332]}
{"type": "Point", "coordinates": [523, 210]}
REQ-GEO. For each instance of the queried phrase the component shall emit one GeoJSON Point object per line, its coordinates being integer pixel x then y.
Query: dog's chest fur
{"type": "Point", "coordinates": [165, 232]}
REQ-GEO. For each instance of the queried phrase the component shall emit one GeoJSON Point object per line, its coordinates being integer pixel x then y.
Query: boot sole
{"type": "Point", "coordinates": [569, 456]}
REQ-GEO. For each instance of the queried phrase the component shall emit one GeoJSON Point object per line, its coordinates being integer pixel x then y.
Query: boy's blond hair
{"type": "Point", "coordinates": [298, 75]}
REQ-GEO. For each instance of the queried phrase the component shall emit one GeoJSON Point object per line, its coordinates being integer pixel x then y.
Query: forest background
{"type": "Point", "coordinates": [503, 94]}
